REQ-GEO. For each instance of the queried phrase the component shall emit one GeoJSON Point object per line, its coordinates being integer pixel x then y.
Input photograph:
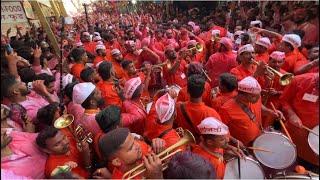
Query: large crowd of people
{"type": "Point", "coordinates": [130, 84]}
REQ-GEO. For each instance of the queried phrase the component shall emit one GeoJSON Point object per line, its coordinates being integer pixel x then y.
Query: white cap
{"type": "Point", "coordinates": [96, 33]}
{"type": "Point", "coordinates": [252, 23]}
{"type": "Point", "coordinates": [82, 91]}
{"type": "Point", "coordinates": [165, 107]}
{"type": "Point", "coordinates": [97, 38]}
{"type": "Point", "coordinates": [264, 41]}
{"type": "Point", "coordinates": [246, 48]}
{"type": "Point", "coordinates": [100, 47]}
{"type": "Point", "coordinates": [238, 33]}
{"type": "Point", "coordinates": [249, 85]}
{"type": "Point", "coordinates": [115, 51]}
{"type": "Point", "coordinates": [99, 43]}
{"type": "Point", "coordinates": [190, 23]}
{"type": "Point", "coordinates": [86, 33]}
{"type": "Point", "coordinates": [292, 39]}
{"type": "Point", "coordinates": [130, 87]}
{"type": "Point", "coordinates": [66, 80]}
{"type": "Point", "coordinates": [211, 125]}
{"type": "Point", "coordinates": [278, 55]}
{"type": "Point", "coordinates": [215, 32]}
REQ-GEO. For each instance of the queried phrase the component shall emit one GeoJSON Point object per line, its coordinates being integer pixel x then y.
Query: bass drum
{"type": "Point", "coordinates": [250, 169]}
{"type": "Point", "coordinates": [284, 175]}
{"type": "Point", "coordinates": [313, 140]}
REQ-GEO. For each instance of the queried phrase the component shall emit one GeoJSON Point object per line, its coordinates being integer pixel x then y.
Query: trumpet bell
{"type": "Point", "coordinates": [199, 47]}
{"type": "Point", "coordinates": [286, 79]}
{"type": "Point", "coordinates": [63, 121]}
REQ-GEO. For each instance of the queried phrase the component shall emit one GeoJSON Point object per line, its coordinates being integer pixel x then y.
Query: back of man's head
{"type": "Point", "coordinates": [195, 85]}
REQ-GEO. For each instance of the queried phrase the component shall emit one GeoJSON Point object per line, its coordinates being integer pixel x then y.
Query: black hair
{"type": "Point", "coordinates": [195, 85]}
{"type": "Point", "coordinates": [228, 81]}
{"type": "Point", "coordinates": [125, 64]}
{"type": "Point", "coordinates": [86, 73]}
{"type": "Point", "coordinates": [46, 77]}
{"type": "Point", "coordinates": [77, 54]}
{"type": "Point", "coordinates": [68, 90]}
{"type": "Point", "coordinates": [289, 45]}
{"type": "Point", "coordinates": [299, 32]}
{"type": "Point", "coordinates": [45, 115]}
{"type": "Point", "coordinates": [137, 92]}
{"type": "Point", "coordinates": [109, 118]}
{"type": "Point", "coordinates": [7, 81]}
{"type": "Point", "coordinates": [46, 133]}
{"type": "Point", "coordinates": [110, 142]}
{"type": "Point", "coordinates": [104, 70]}
{"type": "Point", "coordinates": [27, 74]}
{"type": "Point", "coordinates": [188, 165]}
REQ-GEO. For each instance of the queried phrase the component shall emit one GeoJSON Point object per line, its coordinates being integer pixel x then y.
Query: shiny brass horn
{"type": "Point", "coordinates": [63, 121]}
{"type": "Point", "coordinates": [79, 132]}
{"type": "Point", "coordinates": [198, 47]}
{"type": "Point", "coordinates": [284, 79]}
{"type": "Point", "coordinates": [164, 155]}
{"type": "Point", "coordinates": [167, 63]}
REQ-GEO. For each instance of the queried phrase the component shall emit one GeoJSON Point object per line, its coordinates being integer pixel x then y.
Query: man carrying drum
{"type": "Point", "coordinates": [300, 102]}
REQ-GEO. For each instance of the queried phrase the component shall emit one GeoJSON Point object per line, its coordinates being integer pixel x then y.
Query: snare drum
{"type": "Point", "coordinates": [284, 152]}
{"type": "Point", "coordinates": [313, 140]}
{"type": "Point", "coordinates": [250, 169]}
{"type": "Point", "coordinates": [284, 175]}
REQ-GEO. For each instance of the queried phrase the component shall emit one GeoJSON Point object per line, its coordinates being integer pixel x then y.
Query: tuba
{"type": "Point", "coordinates": [79, 132]}
{"type": "Point", "coordinates": [284, 79]}
{"type": "Point", "coordinates": [164, 155]}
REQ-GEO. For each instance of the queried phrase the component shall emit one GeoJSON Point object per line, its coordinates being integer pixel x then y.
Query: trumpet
{"type": "Point", "coordinates": [167, 63]}
{"type": "Point", "coordinates": [198, 47]}
{"type": "Point", "coordinates": [79, 133]}
{"type": "Point", "coordinates": [284, 79]}
{"type": "Point", "coordinates": [165, 155]}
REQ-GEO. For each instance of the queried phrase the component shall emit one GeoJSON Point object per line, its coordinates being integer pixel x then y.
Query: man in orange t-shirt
{"type": "Point", "coordinates": [162, 122]}
{"type": "Point", "coordinates": [174, 71]}
{"type": "Point", "coordinates": [192, 112]}
{"type": "Point", "coordinates": [80, 57]}
{"type": "Point", "coordinates": [261, 48]}
{"type": "Point", "coordinates": [110, 89]}
{"type": "Point", "coordinates": [214, 143]}
{"type": "Point", "coordinates": [62, 149]}
{"type": "Point", "coordinates": [101, 55]}
{"type": "Point", "coordinates": [127, 152]}
{"type": "Point", "coordinates": [117, 58]}
{"type": "Point", "coordinates": [247, 67]}
{"type": "Point", "coordinates": [300, 101]}
{"type": "Point", "coordinates": [289, 45]}
{"type": "Point", "coordinates": [242, 114]}
{"type": "Point", "coordinates": [195, 68]}
{"type": "Point", "coordinates": [89, 45]}
{"type": "Point", "coordinates": [227, 90]}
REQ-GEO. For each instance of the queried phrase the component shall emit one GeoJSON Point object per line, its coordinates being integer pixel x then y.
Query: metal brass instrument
{"type": "Point", "coordinates": [284, 79]}
{"type": "Point", "coordinates": [198, 47]}
{"type": "Point", "coordinates": [165, 155]}
{"type": "Point", "coordinates": [214, 92]}
{"type": "Point", "coordinates": [79, 132]}
{"type": "Point", "coordinates": [167, 63]}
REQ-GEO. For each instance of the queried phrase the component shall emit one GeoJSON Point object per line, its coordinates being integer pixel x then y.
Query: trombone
{"type": "Point", "coordinates": [79, 133]}
{"type": "Point", "coordinates": [284, 79]}
{"type": "Point", "coordinates": [198, 47]}
{"type": "Point", "coordinates": [164, 155]}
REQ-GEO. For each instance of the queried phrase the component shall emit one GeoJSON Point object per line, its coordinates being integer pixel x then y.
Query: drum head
{"type": "Point", "coordinates": [292, 175]}
{"type": "Point", "coordinates": [313, 140]}
{"type": "Point", "coordinates": [283, 153]}
{"type": "Point", "coordinates": [250, 169]}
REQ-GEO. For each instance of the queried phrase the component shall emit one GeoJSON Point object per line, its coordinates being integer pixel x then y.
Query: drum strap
{"type": "Point", "coordinates": [164, 132]}
{"type": "Point", "coordinates": [186, 117]}
{"type": "Point", "coordinates": [247, 110]}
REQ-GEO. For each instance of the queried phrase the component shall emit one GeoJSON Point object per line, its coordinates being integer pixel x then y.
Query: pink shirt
{"type": "Point", "coordinates": [33, 103]}
{"type": "Point", "coordinates": [220, 62]}
{"type": "Point", "coordinates": [25, 154]}
{"type": "Point", "coordinates": [6, 174]}
{"type": "Point", "coordinates": [133, 116]}
{"type": "Point", "coordinates": [76, 110]}
{"type": "Point", "coordinates": [89, 122]}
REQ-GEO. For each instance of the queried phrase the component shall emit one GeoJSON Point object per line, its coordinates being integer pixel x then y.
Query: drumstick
{"type": "Point", "coordinates": [206, 75]}
{"type": "Point", "coordinates": [259, 149]}
{"type": "Point", "coordinates": [281, 122]}
{"type": "Point", "coordinates": [239, 166]}
{"type": "Point", "coordinates": [310, 130]}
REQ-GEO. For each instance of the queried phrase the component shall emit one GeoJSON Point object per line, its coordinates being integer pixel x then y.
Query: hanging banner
{"type": "Point", "coordinates": [28, 9]}
{"type": "Point", "coordinates": [12, 12]}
